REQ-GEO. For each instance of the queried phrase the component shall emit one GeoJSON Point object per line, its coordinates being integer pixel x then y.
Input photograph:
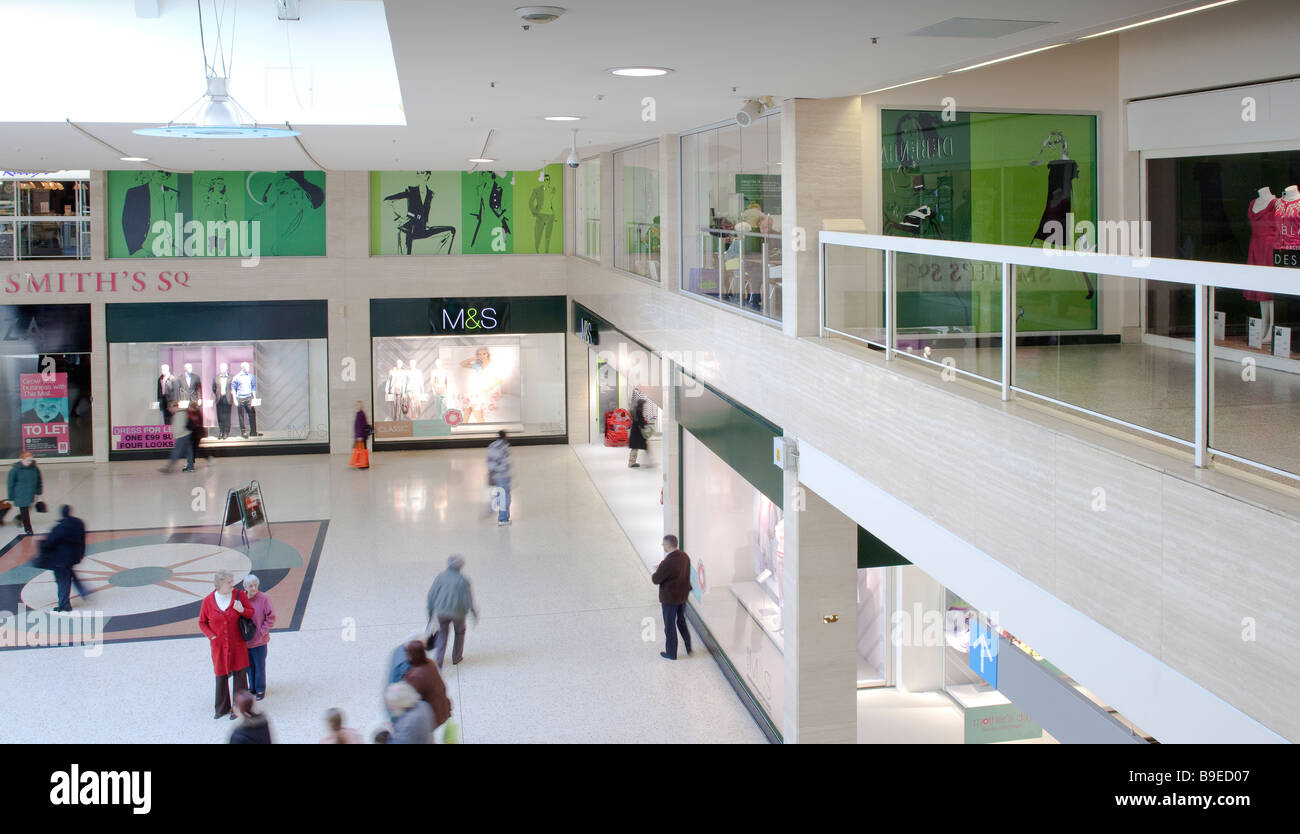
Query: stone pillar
{"type": "Point", "coordinates": [919, 660]}
{"type": "Point", "coordinates": [821, 178]}
{"type": "Point", "coordinates": [820, 582]}
{"type": "Point", "coordinates": [669, 221]}
{"type": "Point", "coordinates": [607, 211]}
{"type": "Point", "coordinates": [578, 389]}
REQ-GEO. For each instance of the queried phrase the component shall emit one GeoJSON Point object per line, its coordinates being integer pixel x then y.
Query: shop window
{"type": "Point", "coordinates": [43, 215]}
{"type": "Point", "coordinates": [588, 209]}
{"type": "Point", "coordinates": [731, 215]}
{"type": "Point", "coordinates": [45, 381]}
{"type": "Point", "coordinates": [636, 210]}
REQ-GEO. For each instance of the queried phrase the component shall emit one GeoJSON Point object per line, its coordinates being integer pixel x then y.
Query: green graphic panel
{"type": "Point", "coordinates": [155, 214]}
{"type": "Point", "coordinates": [539, 210]}
{"type": "Point", "coordinates": [987, 178]}
{"type": "Point", "coordinates": [415, 213]}
{"type": "Point", "coordinates": [487, 207]}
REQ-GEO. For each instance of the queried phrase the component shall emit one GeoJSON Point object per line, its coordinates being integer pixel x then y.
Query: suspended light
{"type": "Point", "coordinates": [218, 116]}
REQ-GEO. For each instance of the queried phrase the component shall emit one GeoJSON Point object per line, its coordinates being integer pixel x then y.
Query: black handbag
{"type": "Point", "coordinates": [41, 508]}
{"type": "Point", "coordinates": [246, 627]}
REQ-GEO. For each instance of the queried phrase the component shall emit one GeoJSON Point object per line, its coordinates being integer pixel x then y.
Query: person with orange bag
{"type": "Point", "coordinates": [361, 429]}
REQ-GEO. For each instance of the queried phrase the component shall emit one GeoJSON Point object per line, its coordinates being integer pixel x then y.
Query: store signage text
{"type": "Point", "coordinates": [470, 318]}
{"type": "Point", "coordinates": [80, 282]}
{"type": "Point", "coordinates": [468, 315]}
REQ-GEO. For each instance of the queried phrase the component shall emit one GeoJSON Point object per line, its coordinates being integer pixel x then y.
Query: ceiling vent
{"type": "Point", "coordinates": [977, 27]}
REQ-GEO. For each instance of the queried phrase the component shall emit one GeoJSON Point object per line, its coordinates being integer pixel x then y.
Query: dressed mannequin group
{"type": "Point", "coordinates": [1274, 229]}
{"type": "Point", "coordinates": [228, 392]}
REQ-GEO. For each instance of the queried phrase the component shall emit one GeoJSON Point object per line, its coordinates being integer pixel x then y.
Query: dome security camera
{"type": "Point", "coordinates": [573, 160]}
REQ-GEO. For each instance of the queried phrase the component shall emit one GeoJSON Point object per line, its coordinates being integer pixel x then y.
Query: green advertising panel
{"type": "Point", "coordinates": [988, 178]}
{"type": "Point", "coordinates": [215, 214]}
{"type": "Point", "coordinates": [467, 213]}
{"type": "Point", "coordinates": [539, 211]}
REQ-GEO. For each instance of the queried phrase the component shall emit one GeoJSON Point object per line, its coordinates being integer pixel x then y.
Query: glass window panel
{"type": "Point", "coordinates": [47, 239]}
{"type": "Point", "coordinates": [8, 250]}
{"type": "Point", "coordinates": [8, 198]}
{"type": "Point", "coordinates": [47, 198]}
{"type": "Point", "coordinates": [636, 199]}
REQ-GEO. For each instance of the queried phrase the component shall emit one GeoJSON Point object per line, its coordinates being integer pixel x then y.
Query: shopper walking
{"type": "Point", "coordinates": [183, 443]}
{"type": "Point", "coordinates": [361, 430]}
{"type": "Point", "coordinates": [254, 728]}
{"type": "Point", "coordinates": [412, 717]}
{"type": "Point", "coordinates": [24, 488]}
{"type": "Point", "coordinates": [263, 621]}
{"type": "Point", "coordinates": [636, 439]}
{"type": "Point", "coordinates": [424, 676]}
{"type": "Point", "coordinates": [338, 733]}
{"type": "Point", "coordinates": [64, 547]}
{"type": "Point", "coordinates": [219, 619]}
{"type": "Point", "coordinates": [498, 465]}
{"type": "Point", "coordinates": [673, 576]}
{"type": "Point", "coordinates": [194, 425]}
{"type": "Point", "coordinates": [450, 599]}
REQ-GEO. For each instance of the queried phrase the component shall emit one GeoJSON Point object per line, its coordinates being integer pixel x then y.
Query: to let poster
{"type": "Point", "coordinates": [45, 413]}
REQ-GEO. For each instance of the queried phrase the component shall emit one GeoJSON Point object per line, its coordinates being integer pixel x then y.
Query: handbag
{"type": "Point", "coordinates": [246, 628]}
{"type": "Point", "coordinates": [41, 508]}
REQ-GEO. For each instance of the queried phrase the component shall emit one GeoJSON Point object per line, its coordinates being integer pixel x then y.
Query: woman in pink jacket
{"type": "Point", "coordinates": [264, 621]}
{"type": "Point", "coordinates": [219, 619]}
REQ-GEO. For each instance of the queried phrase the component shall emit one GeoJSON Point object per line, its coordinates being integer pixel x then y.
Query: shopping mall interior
{"type": "Point", "coordinates": [951, 341]}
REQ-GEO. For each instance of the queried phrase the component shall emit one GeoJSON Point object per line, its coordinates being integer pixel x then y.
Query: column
{"type": "Point", "coordinates": [820, 584]}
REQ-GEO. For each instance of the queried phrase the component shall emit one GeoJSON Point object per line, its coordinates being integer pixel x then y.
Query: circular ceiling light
{"type": "Point", "coordinates": [639, 72]}
{"type": "Point", "coordinates": [218, 118]}
{"type": "Point", "coordinates": [539, 14]}
{"type": "Point", "coordinates": [135, 159]}
{"type": "Point", "coordinates": [562, 118]}
{"type": "Point", "coordinates": [480, 160]}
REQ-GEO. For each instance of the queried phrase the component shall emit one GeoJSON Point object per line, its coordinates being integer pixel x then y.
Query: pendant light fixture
{"type": "Point", "coordinates": [216, 114]}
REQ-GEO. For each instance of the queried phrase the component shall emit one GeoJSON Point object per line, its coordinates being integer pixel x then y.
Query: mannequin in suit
{"type": "Point", "coordinates": [245, 388]}
{"type": "Point", "coordinates": [223, 393]}
{"type": "Point", "coordinates": [189, 387]}
{"type": "Point", "coordinates": [166, 392]}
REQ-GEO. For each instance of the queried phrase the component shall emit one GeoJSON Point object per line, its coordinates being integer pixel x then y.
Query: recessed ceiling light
{"type": "Point", "coordinates": [1009, 57]}
{"type": "Point", "coordinates": [562, 118]}
{"type": "Point", "coordinates": [639, 72]}
{"type": "Point", "coordinates": [1157, 19]}
{"type": "Point", "coordinates": [135, 159]}
{"type": "Point", "coordinates": [481, 160]}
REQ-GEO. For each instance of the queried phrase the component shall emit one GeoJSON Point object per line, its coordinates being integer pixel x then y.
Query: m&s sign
{"type": "Point", "coordinates": [468, 315]}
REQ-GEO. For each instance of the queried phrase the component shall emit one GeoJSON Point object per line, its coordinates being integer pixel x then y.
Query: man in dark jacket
{"type": "Point", "coordinates": [673, 576]}
{"type": "Point", "coordinates": [63, 548]}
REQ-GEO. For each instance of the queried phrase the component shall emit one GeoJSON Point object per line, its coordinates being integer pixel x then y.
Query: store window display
{"type": "Point", "coordinates": [474, 385]}
{"type": "Point", "coordinates": [45, 381]}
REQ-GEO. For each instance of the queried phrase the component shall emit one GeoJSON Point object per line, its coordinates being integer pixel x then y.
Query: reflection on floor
{"type": "Point", "coordinates": [558, 656]}
{"type": "Point", "coordinates": [891, 716]}
{"type": "Point", "coordinates": [634, 496]}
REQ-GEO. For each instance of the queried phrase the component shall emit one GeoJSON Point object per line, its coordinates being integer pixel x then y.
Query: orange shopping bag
{"type": "Point", "coordinates": [360, 457]}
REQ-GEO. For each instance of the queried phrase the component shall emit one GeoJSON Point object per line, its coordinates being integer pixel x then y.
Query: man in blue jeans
{"type": "Point", "coordinates": [673, 576]}
{"type": "Point", "coordinates": [498, 465]}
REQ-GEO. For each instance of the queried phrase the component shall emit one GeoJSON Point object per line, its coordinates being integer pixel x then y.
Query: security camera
{"type": "Point", "coordinates": [748, 112]}
{"type": "Point", "coordinates": [573, 160]}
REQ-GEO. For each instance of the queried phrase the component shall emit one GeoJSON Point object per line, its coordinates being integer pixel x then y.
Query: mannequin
{"type": "Point", "coordinates": [1262, 214]}
{"type": "Point", "coordinates": [223, 393]}
{"type": "Point", "coordinates": [166, 391]}
{"type": "Point", "coordinates": [244, 386]}
{"type": "Point", "coordinates": [395, 392]}
{"type": "Point", "coordinates": [190, 387]}
{"type": "Point", "coordinates": [415, 387]}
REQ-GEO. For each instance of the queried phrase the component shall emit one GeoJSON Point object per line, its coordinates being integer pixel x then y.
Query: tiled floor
{"type": "Point", "coordinates": [559, 654]}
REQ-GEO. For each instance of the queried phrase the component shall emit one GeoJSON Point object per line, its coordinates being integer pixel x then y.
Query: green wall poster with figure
{"type": "Point", "coordinates": [987, 178]}
{"type": "Point", "coordinates": [467, 212]}
{"type": "Point", "coordinates": [215, 214]}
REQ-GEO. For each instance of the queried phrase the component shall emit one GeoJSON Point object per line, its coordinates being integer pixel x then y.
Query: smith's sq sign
{"type": "Point", "coordinates": [94, 282]}
{"type": "Point", "coordinates": [468, 315]}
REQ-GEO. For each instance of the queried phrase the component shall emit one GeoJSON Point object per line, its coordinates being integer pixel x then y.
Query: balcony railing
{"type": "Point", "coordinates": [739, 268]}
{"type": "Point", "coordinates": [1138, 342]}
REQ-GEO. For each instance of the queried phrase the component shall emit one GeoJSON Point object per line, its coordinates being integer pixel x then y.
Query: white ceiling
{"type": "Point", "coordinates": [448, 54]}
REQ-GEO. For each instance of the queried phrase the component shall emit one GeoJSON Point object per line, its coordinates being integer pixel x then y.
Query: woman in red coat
{"type": "Point", "coordinates": [219, 619]}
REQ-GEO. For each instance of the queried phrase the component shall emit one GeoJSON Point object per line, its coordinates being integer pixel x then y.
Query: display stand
{"type": "Point", "coordinates": [244, 506]}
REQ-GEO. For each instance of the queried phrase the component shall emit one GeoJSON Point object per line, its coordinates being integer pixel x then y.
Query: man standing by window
{"type": "Point", "coordinates": [673, 576]}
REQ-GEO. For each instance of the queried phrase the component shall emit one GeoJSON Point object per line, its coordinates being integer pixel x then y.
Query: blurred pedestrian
{"type": "Point", "coordinates": [338, 733]}
{"type": "Point", "coordinates": [64, 547]}
{"type": "Point", "coordinates": [219, 619]}
{"type": "Point", "coordinates": [183, 441]}
{"type": "Point", "coordinates": [412, 717]}
{"type": "Point", "coordinates": [254, 729]}
{"type": "Point", "coordinates": [424, 676]}
{"type": "Point", "coordinates": [361, 431]}
{"type": "Point", "coordinates": [263, 621]}
{"type": "Point", "coordinates": [636, 435]}
{"type": "Point", "coordinates": [24, 488]}
{"type": "Point", "coordinates": [450, 599]}
{"type": "Point", "coordinates": [498, 465]}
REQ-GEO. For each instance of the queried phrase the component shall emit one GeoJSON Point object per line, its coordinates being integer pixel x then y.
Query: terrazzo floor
{"type": "Point", "coordinates": [559, 655]}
